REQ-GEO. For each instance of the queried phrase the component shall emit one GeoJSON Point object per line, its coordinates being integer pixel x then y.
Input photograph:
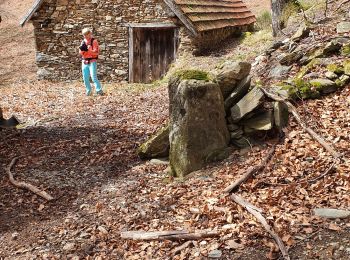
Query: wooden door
{"type": "Point", "coordinates": [152, 52]}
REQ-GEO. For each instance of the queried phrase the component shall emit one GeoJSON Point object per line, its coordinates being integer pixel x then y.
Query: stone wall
{"type": "Point", "coordinates": [58, 26]}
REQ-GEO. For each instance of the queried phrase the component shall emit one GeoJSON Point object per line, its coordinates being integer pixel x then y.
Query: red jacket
{"type": "Point", "coordinates": [93, 51]}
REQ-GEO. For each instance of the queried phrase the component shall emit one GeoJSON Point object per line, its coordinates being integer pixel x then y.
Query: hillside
{"type": "Point", "coordinates": [81, 150]}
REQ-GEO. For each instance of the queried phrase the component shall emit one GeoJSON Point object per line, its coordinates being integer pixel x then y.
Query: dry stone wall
{"type": "Point", "coordinates": [58, 26]}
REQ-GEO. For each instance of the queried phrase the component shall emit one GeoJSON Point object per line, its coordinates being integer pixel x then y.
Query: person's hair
{"type": "Point", "coordinates": [85, 31]}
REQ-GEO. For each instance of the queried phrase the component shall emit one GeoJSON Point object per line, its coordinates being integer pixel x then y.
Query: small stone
{"type": "Point", "coordinates": [331, 213]}
{"type": "Point", "coordinates": [343, 80]}
{"type": "Point", "coordinates": [309, 159]}
{"type": "Point", "coordinates": [279, 71]}
{"type": "Point", "coordinates": [215, 254]}
{"type": "Point", "coordinates": [69, 247]}
{"type": "Point", "coordinates": [232, 127]}
{"type": "Point", "coordinates": [260, 122]}
{"type": "Point", "coordinates": [281, 114]}
{"type": "Point", "coordinates": [157, 146]}
{"type": "Point", "coordinates": [236, 134]}
{"type": "Point", "coordinates": [343, 27]}
{"type": "Point", "coordinates": [241, 142]}
{"type": "Point", "coordinates": [159, 161]}
{"type": "Point", "coordinates": [331, 75]}
{"type": "Point", "coordinates": [301, 33]}
{"type": "Point", "coordinates": [290, 58]}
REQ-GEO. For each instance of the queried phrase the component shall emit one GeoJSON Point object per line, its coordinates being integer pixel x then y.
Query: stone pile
{"type": "Point", "coordinates": [210, 112]}
{"type": "Point", "coordinates": [319, 67]}
{"type": "Point", "coordinates": [249, 113]}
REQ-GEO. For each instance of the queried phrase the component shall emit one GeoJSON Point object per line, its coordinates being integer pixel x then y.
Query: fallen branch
{"type": "Point", "coordinates": [239, 200]}
{"type": "Point", "coordinates": [311, 132]}
{"type": "Point", "coordinates": [24, 185]}
{"type": "Point", "coordinates": [180, 248]}
{"type": "Point", "coordinates": [250, 172]}
{"type": "Point", "coordinates": [167, 235]}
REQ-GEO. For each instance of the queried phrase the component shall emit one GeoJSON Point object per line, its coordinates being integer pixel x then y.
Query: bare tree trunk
{"type": "Point", "coordinates": [277, 10]}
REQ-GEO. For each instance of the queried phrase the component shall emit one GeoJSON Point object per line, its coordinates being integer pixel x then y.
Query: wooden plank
{"type": "Point", "coordinates": [131, 55]}
{"type": "Point", "coordinates": [167, 235]}
{"type": "Point", "coordinates": [151, 25]}
{"type": "Point", "coordinates": [174, 7]}
{"type": "Point", "coordinates": [31, 12]}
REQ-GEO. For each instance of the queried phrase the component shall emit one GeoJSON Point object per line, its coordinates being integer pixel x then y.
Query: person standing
{"type": "Point", "coordinates": [89, 50]}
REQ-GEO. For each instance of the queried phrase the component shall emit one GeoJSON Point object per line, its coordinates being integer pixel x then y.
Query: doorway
{"type": "Point", "coordinates": [152, 48]}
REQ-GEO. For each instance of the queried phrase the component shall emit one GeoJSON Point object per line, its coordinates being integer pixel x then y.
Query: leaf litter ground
{"type": "Point", "coordinates": [82, 151]}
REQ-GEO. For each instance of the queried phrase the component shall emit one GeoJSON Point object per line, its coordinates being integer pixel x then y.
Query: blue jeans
{"type": "Point", "coordinates": [90, 70]}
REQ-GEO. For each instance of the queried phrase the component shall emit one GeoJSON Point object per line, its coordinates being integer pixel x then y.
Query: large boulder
{"type": "Point", "coordinates": [247, 104]}
{"type": "Point", "coordinates": [198, 130]}
{"type": "Point", "coordinates": [157, 146]}
{"type": "Point", "coordinates": [230, 73]}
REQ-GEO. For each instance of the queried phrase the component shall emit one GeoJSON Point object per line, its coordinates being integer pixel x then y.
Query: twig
{"type": "Point", "coordinates": [311, 132]}
{"type": "Point", "coordinates": [167, 235]}
{"type": "Point", "coordinates": [24, 185]}
{"type": "Point", "coordinates": [239, 200]}
{"type": "Point", "coordinates": [180, 248]}
{"type": "Point", "coordinates": [250, 172]}
{"type": "Point", "coordinates": [330, 169]}
{"type": "Point", "coordinates": [341, 4]}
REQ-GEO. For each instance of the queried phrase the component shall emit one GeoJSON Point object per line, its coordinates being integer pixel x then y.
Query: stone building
{"type": "Point", "coordinates": [139, 38]}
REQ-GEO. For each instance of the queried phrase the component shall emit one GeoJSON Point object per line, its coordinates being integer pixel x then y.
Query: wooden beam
{"type": "Point", "coordinates": [131, 55]}
{"type": "Point", "coordinates": [31, 12]}
{"type": "Point", "coordinates": [151, 25]}
{"type": "Point", "coordinates": [178, 12]}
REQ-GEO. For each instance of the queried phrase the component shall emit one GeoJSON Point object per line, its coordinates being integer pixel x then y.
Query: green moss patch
{"type": "Point", "coordinates": [337, 69]}
{"type": "Point", "coordinates": [193, 74]}
{"type": "Point", "coordinates": [345, 51]}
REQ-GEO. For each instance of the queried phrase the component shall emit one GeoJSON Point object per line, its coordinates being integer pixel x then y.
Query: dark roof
{"type": "Point", "coordinates": [197, 15]}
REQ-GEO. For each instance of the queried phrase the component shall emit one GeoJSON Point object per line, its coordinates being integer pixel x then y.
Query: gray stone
{"type": "Point", "coordinates": [301, 33]}
{"type": "Point", "coordinates": [331, 48]}
{"type": "Point", "coordinates": [331, 213]}
{"type": "Point", "coordinates": [324, 86]}
{"type": "Point", "coordinates": [159, 161]}
{"type": "Point", "coordinates": [290, 58]}
{"type": "Point", "coordinates": [279, 71]}
{"type": "Point", "coordinates": [247, 104]}
{"type": "Point", "coordinates": [260, 122]}
{"type": "Point", "coordinates": [215, 254]}
{"type": "Point", "coordinates": [343, 27]}
{"type": "Point", "coordinates": [238, 93]}
{"type": "Point", "coordinates": [157, 146]}
{"type": "Point", "coordinates": [281, 114]}
{"type": "Point", "coordinates": [197, 124]}
{"type": "Point", "coordinates": [230, 73]}
{"type": "Point", "coordinates": [331, 75]}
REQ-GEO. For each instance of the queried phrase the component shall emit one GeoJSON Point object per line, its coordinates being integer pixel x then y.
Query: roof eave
{"type": "Point", "coordinates": [31, 12]}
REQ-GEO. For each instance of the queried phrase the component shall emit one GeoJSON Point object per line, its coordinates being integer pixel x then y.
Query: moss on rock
{"type": "Point", "coordinates": [156, 146]}
{"type": "Point", "coordinates": [346, 65]}
{"type": "Point", "coordinates": [193, 74]}
{"type": "Point", "coordinates": [345, 51]}
{"type": "Point", "coordinates": [336, 68]}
